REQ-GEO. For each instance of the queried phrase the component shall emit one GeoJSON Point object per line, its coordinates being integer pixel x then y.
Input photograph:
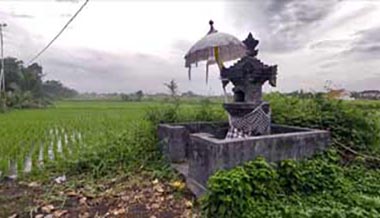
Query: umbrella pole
{"type": "Point", "coordinates": [220, 66]}
{"type": "Point", "coordinates": [225, 95]}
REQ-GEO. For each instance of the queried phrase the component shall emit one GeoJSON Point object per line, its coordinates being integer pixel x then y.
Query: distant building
{"type": "Point", "coordinates": [369, 94]}
{"type": "Point", "coordinates": [340, 94]}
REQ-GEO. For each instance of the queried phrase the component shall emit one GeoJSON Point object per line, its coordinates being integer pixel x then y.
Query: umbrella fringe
{"type": "Point", "coordinates": [207, 64]}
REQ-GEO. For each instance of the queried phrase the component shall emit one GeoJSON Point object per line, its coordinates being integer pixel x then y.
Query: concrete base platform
{"type": "Point", "coordinates": [198, 150]}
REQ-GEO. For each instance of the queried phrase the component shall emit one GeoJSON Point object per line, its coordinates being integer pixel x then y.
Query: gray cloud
{"type": "Point", "coordinates": [367, 44]}
{"type": "Point", "coordinates": [15, 15]}
{"type": "Point", "coordinates": [94, 70]}
{"type": "Point", "coordinates": [365, 84]}
{"type": "Point", "coordinates": [281, 25]}
{"type": "Point", "coordinates": [329, 44]}
{"type": "Point", "coordinates": [104, 71]}
{"type": "Point", "coordinates": [328, 64]}
{"type": "Point", "coordinates": [66, 15]}
{"type": "Point", "coordinates": [364, 47]}
{"type": "Point", "coordinates": [18, 41]}
{"type": "Point", "coordinates": [181, 46]}
{"type": "Point", "coordinates": [288, 24]}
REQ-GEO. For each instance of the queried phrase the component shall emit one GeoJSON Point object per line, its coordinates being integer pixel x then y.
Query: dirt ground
{"type": "Point", "coordinates": [136, 197]}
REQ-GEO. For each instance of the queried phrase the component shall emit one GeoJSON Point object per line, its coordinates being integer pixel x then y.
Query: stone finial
{"type": "Point", "coordinates": [251, 44]}
{"type": "Point", "coordinates": [212, 29]}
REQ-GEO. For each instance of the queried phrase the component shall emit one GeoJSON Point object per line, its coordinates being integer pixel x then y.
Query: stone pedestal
{"type": "Point", "coordinates": [249, 115]}
{"type": "Point", "coordinates": [248, 119]}
{"type": "Point", "coordinates": [237, 109]}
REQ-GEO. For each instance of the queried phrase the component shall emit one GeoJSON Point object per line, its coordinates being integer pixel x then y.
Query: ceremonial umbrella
{"type": "Point", "coordinates": [215, 47]}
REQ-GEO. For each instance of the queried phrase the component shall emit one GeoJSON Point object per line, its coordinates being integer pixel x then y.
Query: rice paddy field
{"type": "Point", "coordinates": [31, 138]}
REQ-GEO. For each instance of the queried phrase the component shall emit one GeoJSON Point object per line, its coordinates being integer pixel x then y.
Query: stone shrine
{"type": "Point", "coordinates": [199, 149]}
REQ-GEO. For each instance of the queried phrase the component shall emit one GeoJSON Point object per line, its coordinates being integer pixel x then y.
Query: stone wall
{"type": "Point", "coordinates": [202, 148]}
{"type": "Point", "coordinates": [209, 154]}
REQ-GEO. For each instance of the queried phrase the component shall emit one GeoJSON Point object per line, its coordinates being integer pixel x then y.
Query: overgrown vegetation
{"type": "Point", "coordinates": [319, 187]}
{"type": "Point", "coordinates": [24, 87]}
{"type": "Point", "coordinates": [326, 185]}
{"type": "Point", "coordinates": [359, 129]}
{"type": "Point", "coordinates": [120, 138]}
{"type": "Point", "coordinates": [135, 148]}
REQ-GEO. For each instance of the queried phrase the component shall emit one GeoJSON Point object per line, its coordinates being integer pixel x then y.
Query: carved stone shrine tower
{"type": "Point", "coordinates": [249, 114]}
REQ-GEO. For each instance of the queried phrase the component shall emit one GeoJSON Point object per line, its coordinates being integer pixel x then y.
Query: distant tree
{"type": "Point", "coordinates": [139, 95]}
{"type": "Point", "coordinates": [125, 97]}
{"type": "Point", "coordinates": [24, 86]}
{"type": "Point", "coordinates": [355, 95]}
{"type": "Point", "coordinates": [173, 88]}
{"type": "Point", "coordinates": [189, 94]}
{"type": "Point", "coordinates": [14, 77]}
{"type": "Point", "coordinates": [55, 90]}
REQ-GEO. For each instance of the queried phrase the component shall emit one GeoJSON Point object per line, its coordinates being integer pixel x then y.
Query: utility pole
{"type": "Point", "coordinates": [2, 73]}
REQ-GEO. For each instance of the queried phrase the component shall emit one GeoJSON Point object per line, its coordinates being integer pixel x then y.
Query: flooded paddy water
{"type": "Point", "coordinates": [30, 139]}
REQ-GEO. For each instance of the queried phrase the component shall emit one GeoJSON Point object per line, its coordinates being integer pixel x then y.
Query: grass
{"type": "Point", "coordinates": [373, 105]}
{"type": "Point", "coordinates": [93, 144]}
{"type": "Point", "coordinates": [68, 129]}
{"type": "Point", "coordinates": [100, 137]}
{"type": "Point", "coordinates": [62, 130]}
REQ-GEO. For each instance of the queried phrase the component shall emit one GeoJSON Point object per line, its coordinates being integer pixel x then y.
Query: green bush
{"type": "Point", "coordinates": [356, 128]}
{"type": "Point", "coordinates": [163, 114]}
{"type": "Point", "coordinates": [206, 111]}
{"type": "Point", "coordinates": [318, 187]}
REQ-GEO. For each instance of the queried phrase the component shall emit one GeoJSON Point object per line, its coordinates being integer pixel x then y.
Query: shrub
{"type": "Point", "coordinates": [318, 187]}
{"type": "Point", "coordinates": [208, 112]}
{"type": "Point", "coordinates": [164, 114]}
{"type": "Point", "coordinates": [349, 125]}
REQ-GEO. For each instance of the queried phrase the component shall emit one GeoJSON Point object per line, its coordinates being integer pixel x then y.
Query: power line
{"type": "Point", "coordinates": [2, 72]}
{"type": "Point", "coordinates": [59, 33]}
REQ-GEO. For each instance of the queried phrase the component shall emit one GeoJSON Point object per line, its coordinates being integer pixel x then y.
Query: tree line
{"type": "Point", "coordinates": [25, 88]}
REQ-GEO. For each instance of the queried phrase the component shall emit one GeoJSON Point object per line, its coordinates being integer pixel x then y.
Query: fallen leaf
{"type": "Point", "coordinates": [178, 185]}
{"type": "Point", "coordinates": [154, 182]}
{"type": "Point", "coordinates": [84, 215]}
{"type": "Point", "coordinates": [188, 213]}
{"type": "Point", "coordinates": [49, 216]}
{"type": "Point", "coordinates": [33, 185]}
{"type": "Point", "coordinates": [60, 213]}
{"type": "Point", "coordinates": [72, 194]}
{"type": "Point", "coordinates": [39, 216]}
{"type": "Point", "coordinates": [138, 196]}
{"type": "Point", "coordinates": [188, 204]}
{"type": "Point", "coordinates": [158, 188]}
{"type": "Point", "coordinates": [155, 206]}
{"type": "Point", "coordinates": [82, 201]}
{"type": "Point", "coordinates": [125, 198]}
{"type": "Point", "coordinates": [60, 179]}
{"type": "Point", "coordinates": [119, 211]}
{"type": "Point", "coordinates": [13, 216]}
{"type": "Point", "coordinates": [47, 208]}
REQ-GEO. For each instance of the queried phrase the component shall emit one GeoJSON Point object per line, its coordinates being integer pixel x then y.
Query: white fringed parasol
{"type": "Point", "coordinates": [215, 47]}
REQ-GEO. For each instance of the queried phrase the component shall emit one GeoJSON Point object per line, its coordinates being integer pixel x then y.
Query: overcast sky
{"type": "Point", "coordinates": [124, 46]}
